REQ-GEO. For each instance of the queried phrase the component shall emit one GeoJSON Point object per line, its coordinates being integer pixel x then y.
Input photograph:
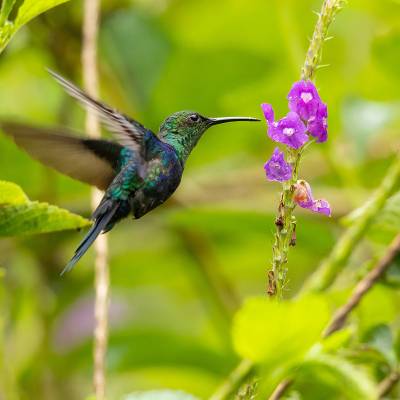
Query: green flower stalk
{"type": "Point", "coordinates": [307, 117]}
{"type": "Point", "coordinates": [285, 221]}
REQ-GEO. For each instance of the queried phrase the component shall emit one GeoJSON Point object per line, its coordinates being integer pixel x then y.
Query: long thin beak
{"type": "Point", "coordinates": [216, 121]}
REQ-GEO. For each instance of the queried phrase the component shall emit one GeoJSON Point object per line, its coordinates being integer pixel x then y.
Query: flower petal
{"type": "Point", "coordinates": [268, 112]}
{"type": "Point", "coordinates": [276, 168]}
{"type": "Point", "coordinates": [318, 126]}
{"type": "Point", "coordinates": [303, 194]}
{"type": "Point", "coordinates": [304, 198]}
{"type": "Point", "coordinates": [304, 99]}
{"type": "Point", "coordinates": [289, 130]}
{"type": "Point", "coordinates": [321, 206]}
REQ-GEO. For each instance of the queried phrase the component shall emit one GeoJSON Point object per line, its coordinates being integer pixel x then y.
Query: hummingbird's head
{"type": "Point", "coordinates": [183, 129]}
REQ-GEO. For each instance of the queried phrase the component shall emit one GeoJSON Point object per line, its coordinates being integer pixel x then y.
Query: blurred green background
{"type": "Point", "coordinates": [212, 240]}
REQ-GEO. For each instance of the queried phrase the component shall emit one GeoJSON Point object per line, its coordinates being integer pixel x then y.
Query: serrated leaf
{"type": "Point", "coordinates": [159, 395]}
{"type": "Point", "coordinates": [269, 332]}
{"type": "Point", "coordinates": [20, 216]}
{"type": "Point", "coordinates": [32, 8]}
{"type": "Point", "coordinates": [10, 193]}
{"type": "Point", "coordinates": [37, 217]}
{"type": "Point", "coordinates": [335, 377]}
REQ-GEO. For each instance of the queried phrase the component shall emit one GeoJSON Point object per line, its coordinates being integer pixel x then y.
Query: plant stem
{"type": "Point", "coordinates": [363, 287]}
{"type": "Point", "coordinates": [326, 16]}
{"type": "Point", "coordinates": [280, 389]}
{"type": "Point", "coordinates": [386, 386]}
{"type": "Point", "coordinates": [285, 221]}
{"type": "Point", "coordinates": [102, 280]}
{"type": "Point", "coordinates": [238, 376]}
{"type": "Point", "coordinates": [325, 275]}
{"type": "Point", "coordinates": [338, 320]}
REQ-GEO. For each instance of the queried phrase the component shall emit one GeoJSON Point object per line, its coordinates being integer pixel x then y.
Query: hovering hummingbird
{"type": "Point", "coordinates": [138, 172]}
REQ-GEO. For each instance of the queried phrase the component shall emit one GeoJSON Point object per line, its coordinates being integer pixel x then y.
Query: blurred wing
{"type": "Point", "coordinates": [129, 132]}
{"type": "Point", "coordinates": [91, 161]}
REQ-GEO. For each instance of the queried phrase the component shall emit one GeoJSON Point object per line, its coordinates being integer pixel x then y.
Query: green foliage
{"type": "Point", "coordinates": [11, 194]}
{"type": "Point", "coordinates": [20, 216]}
{"type": "Point", "coordinates": [379, 307]}
{"type": "Point", "coordinates": [323, 377]}
{"type": "Point", "coordinates": [337, 340]}
{"type": "Point", "coordinates": [380, 339]}
{"type": "Point", "coordinates": [268, 332]}
{"type": "Point", "coordinates": [27, 10]}
{"type": "Point", "coordinates": [166, 328]}
{"type": "Point", "coordinates": [31, 8]}
{"type": "Point", "coordinates": [387, 223]}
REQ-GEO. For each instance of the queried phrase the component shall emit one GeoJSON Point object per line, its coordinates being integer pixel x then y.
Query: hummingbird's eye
{"type": "Point", "coordinates": [194, 117]}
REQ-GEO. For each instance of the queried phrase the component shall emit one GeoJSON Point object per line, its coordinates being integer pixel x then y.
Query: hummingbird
{"type": "Point", "coordinates": [138, 171]}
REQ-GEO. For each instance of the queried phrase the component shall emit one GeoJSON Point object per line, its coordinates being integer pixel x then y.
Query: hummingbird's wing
{"type": "Point", "coordinates": [89, 160]}
{"type": "Point", "coordinates": [129, 132]}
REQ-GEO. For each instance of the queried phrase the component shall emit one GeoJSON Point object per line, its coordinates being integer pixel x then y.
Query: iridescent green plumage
{"type": "Point", "coordinates": [138, 172]}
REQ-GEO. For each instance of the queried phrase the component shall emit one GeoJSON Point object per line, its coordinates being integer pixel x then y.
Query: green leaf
{"type": "Point", "coordinates": [36, 217]}
{"type": "Point", "coordinates": [159, 395]}
{"type": "Point", "coordinates": [32, 8]}
{"type": "Point", "coordinates": [28, 10]}
{"type": "Point", "coordinates": [269, 332]}
{"type": "Point", "coordinates": [11, 194]}
{"type": "Point", "coordinates": [20, 216]}
{"type": "Point", "coordinates": [335, 377]}
{"type": "Point", "coordinates": [6, 7]}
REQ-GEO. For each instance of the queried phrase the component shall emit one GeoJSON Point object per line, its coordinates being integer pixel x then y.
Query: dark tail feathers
{"type": "Point", "coordinates": [99, 225]}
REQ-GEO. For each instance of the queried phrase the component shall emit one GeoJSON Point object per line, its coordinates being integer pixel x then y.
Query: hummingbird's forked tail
{"type": "Point", "coordinates": [100, 223]}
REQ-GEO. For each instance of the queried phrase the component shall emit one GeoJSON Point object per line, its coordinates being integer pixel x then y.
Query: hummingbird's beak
{"type": "Point", "coordinates": [216, 121]}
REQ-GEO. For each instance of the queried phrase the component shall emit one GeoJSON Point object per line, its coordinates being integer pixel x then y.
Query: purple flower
{"type": "Point", "coordinates": [317, 125]}
{"type": "Point", "coordinates": [321, 206]}
{"type": "Point", "coordinates": [304, 99]}
{"type": "Point", "coordinates": [276, 168]}
{"type": "Point", "coordinates": [289, 130]}
{"type": "Point", "coordinates": [302, 194]}
{"type": "Point", "coordinates": [268, 112]}
{"type": "Point", "coordinates": [304, 198]}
